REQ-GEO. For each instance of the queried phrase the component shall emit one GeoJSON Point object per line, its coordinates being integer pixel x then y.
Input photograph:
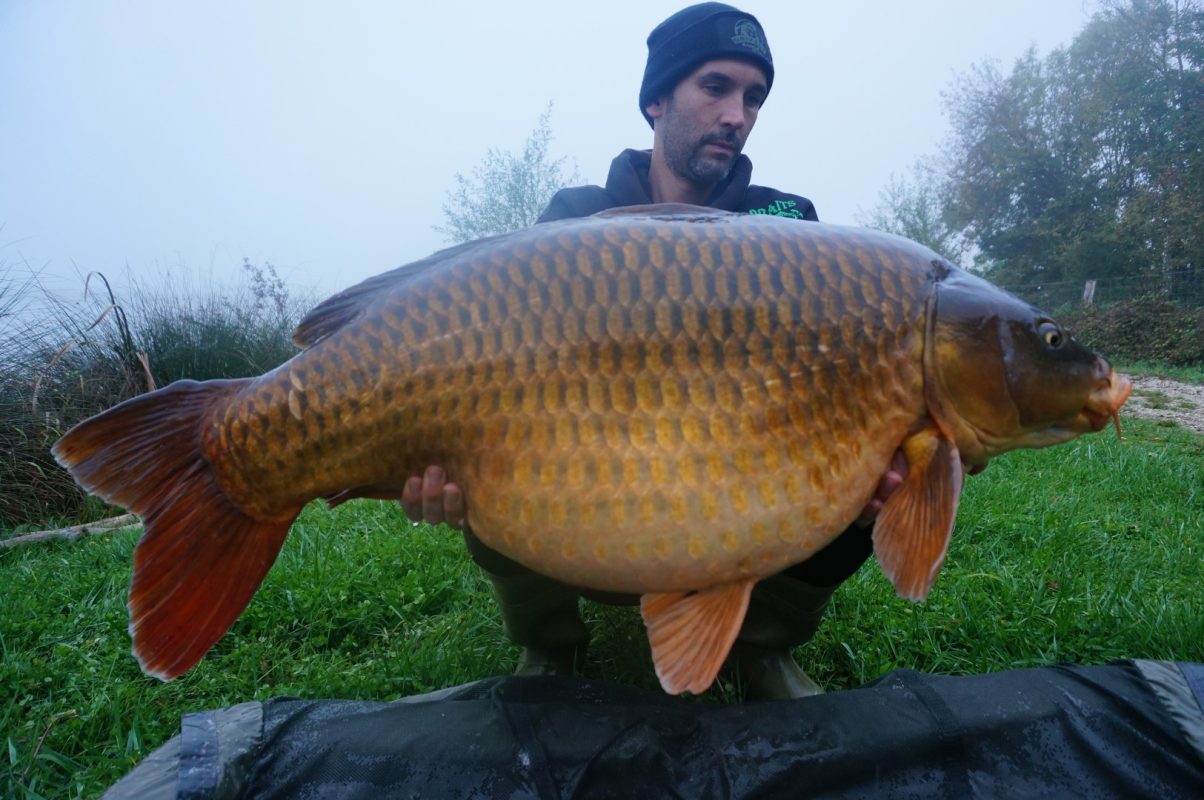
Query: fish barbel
{"type": "Point", "coordinates": [667, 401]}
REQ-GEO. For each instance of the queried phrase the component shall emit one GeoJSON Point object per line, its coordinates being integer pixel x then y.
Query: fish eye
{"type": "Point", "coordinates": [1051, 334]}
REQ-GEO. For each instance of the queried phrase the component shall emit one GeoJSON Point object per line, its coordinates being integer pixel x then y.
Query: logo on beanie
{"type": "Point", "coordinates": [748, 34]}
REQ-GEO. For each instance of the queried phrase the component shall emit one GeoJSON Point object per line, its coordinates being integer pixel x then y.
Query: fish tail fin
{"type": "Point", "coordinates": [200, 558]}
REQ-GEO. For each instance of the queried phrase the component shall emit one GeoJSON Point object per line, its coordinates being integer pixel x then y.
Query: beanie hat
{"type": "Point", "coordinates": [695, 35]}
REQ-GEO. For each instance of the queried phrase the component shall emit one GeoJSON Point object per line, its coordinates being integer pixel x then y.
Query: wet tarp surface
{"type": "Point", "coordinates": [1131, 729]}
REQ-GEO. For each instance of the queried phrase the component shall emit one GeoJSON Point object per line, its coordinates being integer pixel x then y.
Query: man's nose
{"type": "Point", "coordinates": [732, 112]}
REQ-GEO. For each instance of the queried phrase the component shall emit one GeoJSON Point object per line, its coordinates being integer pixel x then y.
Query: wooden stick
{"type": "Point", "coordinates": [110, 525]}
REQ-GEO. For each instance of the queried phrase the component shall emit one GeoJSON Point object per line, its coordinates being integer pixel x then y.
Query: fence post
{"type": "Point", "coordinates": [1089, 293]}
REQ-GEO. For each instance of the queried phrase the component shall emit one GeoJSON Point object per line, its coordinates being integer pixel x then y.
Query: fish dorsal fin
{"type": "Point", "coordinates": [675, 210]}
{"type": "Point", "coordinates": [333, 313]}
{"type": "Point", "coordinates": [691, 633]}
{"type": "Point", "coordinates": [911, 534]}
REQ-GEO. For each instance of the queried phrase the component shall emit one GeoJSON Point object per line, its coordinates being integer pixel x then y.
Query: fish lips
{"type": "Point", "coordinates": [1103, 404]}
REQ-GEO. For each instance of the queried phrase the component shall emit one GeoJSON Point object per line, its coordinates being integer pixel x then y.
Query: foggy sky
{"type": "Point", "coordinates": [152, 138]}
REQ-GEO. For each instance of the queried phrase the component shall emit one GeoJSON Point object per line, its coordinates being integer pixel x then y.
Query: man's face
{"type": "Point", "coordinates": [703, 124]}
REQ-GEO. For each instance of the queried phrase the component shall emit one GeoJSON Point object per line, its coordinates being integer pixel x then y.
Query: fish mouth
{"type": "Point", "coordinates": [1104, 402]}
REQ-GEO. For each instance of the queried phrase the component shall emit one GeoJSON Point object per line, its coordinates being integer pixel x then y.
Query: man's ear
{"type": "Point", "coordinates": [656, 109]}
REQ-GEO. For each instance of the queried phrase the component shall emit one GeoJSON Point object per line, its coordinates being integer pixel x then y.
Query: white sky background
{"type": "Point", "coordinates": [147, 138]}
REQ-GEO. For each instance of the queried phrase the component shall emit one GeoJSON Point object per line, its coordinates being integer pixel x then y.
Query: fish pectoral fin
{"type": "Point", "coordinates": [692, 632]}
{"type": "Point", "coordinates": [911, 534]}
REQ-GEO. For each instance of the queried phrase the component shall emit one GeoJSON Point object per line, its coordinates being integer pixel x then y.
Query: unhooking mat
{"type": "Point", "coordinates": [1129, 729]}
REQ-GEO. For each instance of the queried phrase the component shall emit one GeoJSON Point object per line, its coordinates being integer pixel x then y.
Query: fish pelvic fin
{"type": "Point", "coordinates": [691, 633]}
{"type": "Point", "coordinates": [200, 558]}
{"type": "Point", "coordinates": [911, 534]}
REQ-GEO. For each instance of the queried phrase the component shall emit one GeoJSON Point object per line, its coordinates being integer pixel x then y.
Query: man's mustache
{"type": "Point", "coordinates": [727, 139]}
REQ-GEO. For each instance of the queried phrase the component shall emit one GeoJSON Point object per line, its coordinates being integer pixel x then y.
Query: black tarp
{"type": "Point", "coordinates": [1130, 729]}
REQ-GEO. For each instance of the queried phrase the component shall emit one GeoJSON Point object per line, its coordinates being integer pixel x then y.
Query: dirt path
{"type": "Point", "coordinates": [1161, 398]}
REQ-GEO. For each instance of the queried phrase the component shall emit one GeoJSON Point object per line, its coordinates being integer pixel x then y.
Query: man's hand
{"type": "Point", "coordinates": [895, 474]}
{"type": "Point", "coordinates": [891, 480]}
{"type": "Point", "coordinates": [432, 499]}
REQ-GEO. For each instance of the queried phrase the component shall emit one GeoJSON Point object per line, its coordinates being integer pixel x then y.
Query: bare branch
{"type": "Point", "coordinates": [110, 525]}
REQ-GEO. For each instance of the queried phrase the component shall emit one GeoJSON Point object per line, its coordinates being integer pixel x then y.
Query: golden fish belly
{"type": "Point", "coordinates": [631, 407]}
{"type": "Point", "coordinates": [631, 517]}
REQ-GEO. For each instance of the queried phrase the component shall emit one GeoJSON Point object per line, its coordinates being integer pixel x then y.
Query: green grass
{"type": "Point", "coordinates": [1186, 374]}
{"type": "Point", "coordinates": [1087, 553]}
{"type": "Point", "coordinates": [1084, 553]}
{"type": "Point", "coordinates": [1156, 399]}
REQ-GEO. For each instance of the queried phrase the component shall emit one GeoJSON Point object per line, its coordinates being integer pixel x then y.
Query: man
{"type": "Point", "coordinates": [709, 70]}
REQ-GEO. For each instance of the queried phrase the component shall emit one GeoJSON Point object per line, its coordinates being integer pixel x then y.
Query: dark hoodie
{"type": "Point", "coordinates": [627, 185]}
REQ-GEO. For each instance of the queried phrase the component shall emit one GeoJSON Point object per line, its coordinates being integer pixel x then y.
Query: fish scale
{"type": "Point", "coordinates": [723, 341]}
{"type": "Point", "coordinates": [668, 401]}
{"type": "Point", "coordinates": [624, 341]}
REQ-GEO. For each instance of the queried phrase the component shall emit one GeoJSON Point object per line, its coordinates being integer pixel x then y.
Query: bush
{"type": "Point", "coordinates": [37, 401]}
{"type": "Point", "coordinates": [224, 333]}
{"type": "Point", "coordinates": [1147, 328]}
{"type": "Point", "coordinates": [64, 365]}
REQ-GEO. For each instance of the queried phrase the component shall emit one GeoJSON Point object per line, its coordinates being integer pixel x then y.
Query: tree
{"type": "Point", "coordinates": [1148, 57]}
{"type": "Point", "coordinates": [1013, 183]}
{"type": "Point", "coordinates": [914, 208]}
{"type": "Point", "coordinates": [507, 191]}
{"type": "Point", "coordinates": [1087, 163]}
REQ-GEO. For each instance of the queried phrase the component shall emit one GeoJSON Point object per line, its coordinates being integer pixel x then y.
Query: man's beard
{"type": "Point", "coordinates": [687, 157]}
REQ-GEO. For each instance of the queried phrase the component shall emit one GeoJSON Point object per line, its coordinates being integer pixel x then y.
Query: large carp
{"type": "Point", "coordinates": [667, 401]}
